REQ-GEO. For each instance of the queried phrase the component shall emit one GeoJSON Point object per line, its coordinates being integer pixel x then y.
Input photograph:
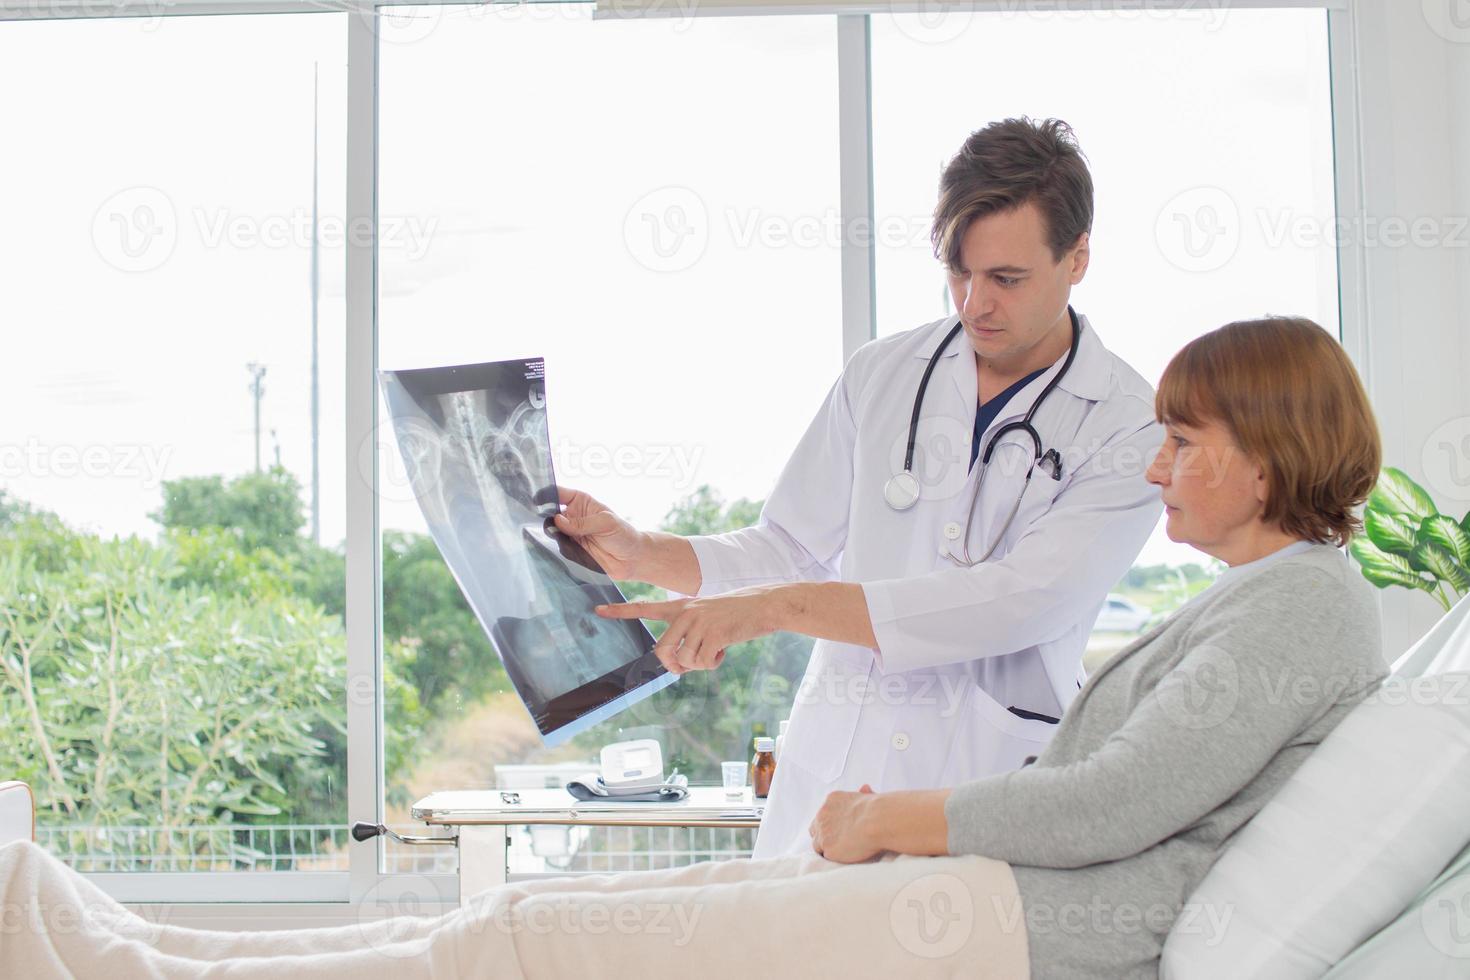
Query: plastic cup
{"type": "Point", "coordinates": [733, 775]}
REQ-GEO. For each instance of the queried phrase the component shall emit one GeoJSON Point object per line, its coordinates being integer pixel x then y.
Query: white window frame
{"type": "Point", "coordinates": [292, 899]}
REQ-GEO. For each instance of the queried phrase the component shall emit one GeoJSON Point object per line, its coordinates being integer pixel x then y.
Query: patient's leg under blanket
{"type": "Point", "coordinates": [792, 916]}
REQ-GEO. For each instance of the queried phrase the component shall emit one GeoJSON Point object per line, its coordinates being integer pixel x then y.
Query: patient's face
{"type": "Point", "coordinates": [1213, 493]}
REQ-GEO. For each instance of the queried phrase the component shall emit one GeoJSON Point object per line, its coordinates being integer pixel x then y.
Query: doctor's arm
{"type": "Point", "coordinates": [1057, 575]}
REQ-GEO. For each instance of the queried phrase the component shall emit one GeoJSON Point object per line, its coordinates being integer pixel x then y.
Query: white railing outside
{"type": "Point", "coordinates": [537, 850]}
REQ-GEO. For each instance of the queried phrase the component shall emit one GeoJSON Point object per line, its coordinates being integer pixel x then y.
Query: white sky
{"type": "Point", "coordinates": [647, 204]}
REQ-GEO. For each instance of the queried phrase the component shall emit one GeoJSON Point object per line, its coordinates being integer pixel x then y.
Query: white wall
{"type": "Point", "coordinates": [1412, 87]}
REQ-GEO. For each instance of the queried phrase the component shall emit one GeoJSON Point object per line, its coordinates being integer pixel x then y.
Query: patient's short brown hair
{"type": "Point", "coordinates": [1291, 399]}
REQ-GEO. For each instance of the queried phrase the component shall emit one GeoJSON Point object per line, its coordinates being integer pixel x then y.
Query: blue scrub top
{"type": "Point", "coordinates": [987, 411]}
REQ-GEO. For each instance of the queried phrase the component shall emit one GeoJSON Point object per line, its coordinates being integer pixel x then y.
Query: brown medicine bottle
{"type": "Point", "coordinates": [763, 767]}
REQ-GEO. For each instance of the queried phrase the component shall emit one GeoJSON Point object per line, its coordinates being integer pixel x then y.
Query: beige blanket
{"type": "Point", "coordinates": [786, 917]}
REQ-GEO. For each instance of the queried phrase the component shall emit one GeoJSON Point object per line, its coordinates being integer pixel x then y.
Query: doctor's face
{"type": "Point", "coordinates": [1011, 293]}
{"type": "Point", "coordinates": [1213, 493]}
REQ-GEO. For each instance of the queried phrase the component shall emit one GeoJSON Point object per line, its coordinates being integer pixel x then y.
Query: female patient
{"type": "Point", "coordinates": [1183, 736]}
{"type": "Point", "coordinates": [1077, 865]}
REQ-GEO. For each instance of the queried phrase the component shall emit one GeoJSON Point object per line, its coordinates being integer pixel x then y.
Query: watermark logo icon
{"type": "Point", "coordinates": [411, 459]}
{"type": "Point", "coordinates": [933, 917]}
{"type": "Point", "coordinates": [1198, 230]}
{"type": "Point", "coordinates": [932, 21]}
{"type": "Point", "coordinates": [1450, 19]}
{"type": "Point", "coordinates": [1445, 918]}
{"type": "Point", "coordinates": [1446, 459]}
{"type": "Point", "coordinates": [667, 230]}
{"type": "Point", "coordinates": [1203, 693]}
{"type": "Point", "coordinates": [136, 229]}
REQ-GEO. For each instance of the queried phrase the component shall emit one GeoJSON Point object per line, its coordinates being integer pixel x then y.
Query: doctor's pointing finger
{"type": "Point", "coordinates": [952, 519]}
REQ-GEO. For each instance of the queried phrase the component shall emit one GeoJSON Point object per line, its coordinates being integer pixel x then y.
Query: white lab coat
{"type": "Point", "coordinates": [956, 646]}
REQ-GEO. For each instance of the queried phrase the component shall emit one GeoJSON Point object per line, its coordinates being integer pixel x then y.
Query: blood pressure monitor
{"type": "Point", "coordinates": [629, 765]}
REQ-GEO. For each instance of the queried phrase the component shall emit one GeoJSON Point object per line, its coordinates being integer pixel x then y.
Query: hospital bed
{"type": "Point", "coordinates": [1388, 898]}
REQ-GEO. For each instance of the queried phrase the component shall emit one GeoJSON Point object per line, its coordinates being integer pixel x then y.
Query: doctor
{"type": "Point", "coordinates": [952, 520]}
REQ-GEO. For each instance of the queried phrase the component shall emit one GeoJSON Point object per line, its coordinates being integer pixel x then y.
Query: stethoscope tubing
{"type": "Point", "coordinates": [902, 486]}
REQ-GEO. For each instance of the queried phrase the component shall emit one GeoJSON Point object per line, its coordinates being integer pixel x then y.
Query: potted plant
{"type": "Point", "coordinates": [1408, 542]}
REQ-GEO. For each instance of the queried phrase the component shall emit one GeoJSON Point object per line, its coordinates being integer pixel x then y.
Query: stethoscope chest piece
{"type": "Point", "coordinates": [902, 490]}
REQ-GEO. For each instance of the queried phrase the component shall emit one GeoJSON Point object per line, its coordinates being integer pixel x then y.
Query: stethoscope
{"type": "Point", "coordinates": [902, 489]}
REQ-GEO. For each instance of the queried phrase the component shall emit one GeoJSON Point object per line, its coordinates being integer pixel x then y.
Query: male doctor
{"type": "Point", "coordinates": [950, 626]}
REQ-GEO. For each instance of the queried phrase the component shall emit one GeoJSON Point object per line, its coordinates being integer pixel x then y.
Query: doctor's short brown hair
{"type": "Point", "coordinates": [1006, 165]}
{"type": "Point", "coordinates": [1292, 401]}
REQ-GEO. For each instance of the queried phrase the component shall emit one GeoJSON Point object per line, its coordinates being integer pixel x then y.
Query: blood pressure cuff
{"type": "Point", "coordinates": [591, 787]}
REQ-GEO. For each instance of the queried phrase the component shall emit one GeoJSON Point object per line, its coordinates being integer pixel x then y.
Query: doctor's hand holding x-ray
{"type": "Point", "coordinates": [950, 522]}
{"type": "Point", "coordinates": [699, 630]}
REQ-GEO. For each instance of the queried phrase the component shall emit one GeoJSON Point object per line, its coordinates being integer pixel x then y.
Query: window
{"type": "Point", "coordinates": [630, 201]}
{"type": "Point", "coordinates": [170, 618]}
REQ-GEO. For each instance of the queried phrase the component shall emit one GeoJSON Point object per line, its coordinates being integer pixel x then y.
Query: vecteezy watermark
{"type": "Point", "coordinates": [1201, 229]}
{"type": "Point", "coordinates": [678, 464]}
{"type": "Point", "coordinates": [1445, 918]}
{"type": "Point", "coordinates": [398, 25]}
{"type": "Point", "coordinates": [398, 917]}
{"type": "Point", "coordinates": [70, 917]}
{"type": "Point", "coordinates": [1446, 459]}
{"type": "Point", "coordinates": [1203, 692]}
{"type": "Point", "coordinates": [1101, 917]}
{"type": "Point", "coordinates": [824, 229]}
{"type": "Point", "coordinates": [946, 693]}
{"type": "Point", "coordinates": [396, 912]}
{"type": "Point", "coordinates": [136, 229]}
{"type": "Point", "coordinates": [939, 22]}
{"type": "Point", "coordinates": [583, 915]}
{"type": "Point", "coordinates": [1198, 230]}
{"type": "Point", "coordinates": [1289, 227]}
{"type": "Point", "coordinates": [139, 228]}
{"type": "Point", "coordinates": [1450, 19]}
{"type": "Point", "coordinates": [145, 14]}
{"type": "Point", "coordinates": [681, 12]}
{"type": "Point", "coordinates": [667, 230]}
{"type": "Point", "coordinates": [411, 459]}
{"type": "Point", "coordinates": [137, 461]}
{"type": "Point", "coordinates": [933, 917]}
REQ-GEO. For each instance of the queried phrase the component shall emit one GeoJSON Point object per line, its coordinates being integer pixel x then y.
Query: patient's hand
{"type": "Point", "coordinates": [844, 829]}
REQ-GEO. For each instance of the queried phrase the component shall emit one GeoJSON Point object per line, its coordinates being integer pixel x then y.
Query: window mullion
{"type": "Point", "coordinates": [363, 606]}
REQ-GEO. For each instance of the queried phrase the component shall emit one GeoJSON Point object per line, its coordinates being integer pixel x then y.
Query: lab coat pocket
{"type": "Point", "coordinates": [990, 740]}
{"type": "Point", "coordinates": [827, 708]}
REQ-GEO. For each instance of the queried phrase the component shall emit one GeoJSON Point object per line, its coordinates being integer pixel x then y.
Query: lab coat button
{"type": "Point", "coordinates": [952, 530]}
{"type": "Point", "coordinates": [900, 740]}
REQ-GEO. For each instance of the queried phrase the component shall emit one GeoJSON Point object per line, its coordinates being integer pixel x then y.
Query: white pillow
{"type": "Point", "coordinates": [1376, 811]}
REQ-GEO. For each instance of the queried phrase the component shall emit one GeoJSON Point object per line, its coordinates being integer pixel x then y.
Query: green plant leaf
{"type": "Point", "coordinates": [1384, 569]}
{"type": "Point", "coordinates": [1396, 493]}
{"type": "Point", "coordinates": [1445, 531]}
{"type": "Point", "coordinates": [1392, 533]}
{"type": "Point", "coordinates": [1442, 565]}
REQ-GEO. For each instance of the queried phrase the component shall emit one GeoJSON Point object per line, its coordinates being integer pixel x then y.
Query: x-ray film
{"type": "Point", "coordinates": [477, 453]}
